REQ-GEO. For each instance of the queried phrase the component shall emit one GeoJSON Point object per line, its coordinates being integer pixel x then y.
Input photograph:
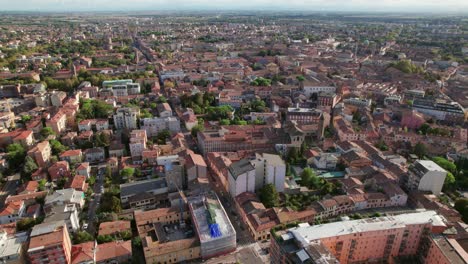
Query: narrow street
{"type": "Point", "coordinates": [95, 200]}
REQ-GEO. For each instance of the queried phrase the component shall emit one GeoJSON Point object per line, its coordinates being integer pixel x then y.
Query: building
{"type": "Point", "coordinates": [147, 194]}
{"type": "Point", "coordinates": [41, 153]}
{"type": "Point", "coordinates": [426, 175]}
{"type": "Point", "coordinates": [215, 231]}
{"type": "Point", "coordinates": [64, 197]}
{"type": "Point", "coordinates": [67, 213]}
{"type": "Point", "coordinates": [196, 167]}
{"type": "Point", "coordinates": [126, 118]}
{"type": "Point", "coordinates": [164, 110]}
{"type": "Point", "coordinates": [114, 252]}
{"type": "Point", "coordinates": [59, 170]}
{"type": "Point", "coordinates": [269, 169]}
{"type": "Point", "coordinates": [167, 235]}
{"type": "Point", "coordinates": [58, 122]}
{"type": "Point", "coordinates": [366, 240]}
{"type": "Point", "coordinates": [95, 155]}
{"type": "Point", "coordinates": [443, 250]}
{"type": "Point", "coordinates": [114, 227]}
{"type": "Point", "coordinates": [12, 247]}
{"type": "Point", "coordinates": [137, 143]}
{"type": "Point", "coordinates": [440, 110]}
{"type": "Point", "coordinates": [155, 125]}
{"type": "Point", "coordinates": [49, 243]}
{"type": "Point", "coordinates": [241, 177]}
{"type": "Point", "coordinates": [72, 156]}
{"type": "Point", "coordinates": [12, 212]}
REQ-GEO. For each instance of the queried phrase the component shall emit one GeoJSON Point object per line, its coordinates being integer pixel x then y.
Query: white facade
{"type": "Point", "coordinates": [156, 124]}
{"type": "Point", "coordinates": [426, 175]}
{"type": "Point", "coordinates": [269, 169]}
{"type": "Point", "coordinates": [309, 90]}
{"type": "Point", "coordinates": [126, 118]}
{"type": "Point", "coordinates": [241, 178]}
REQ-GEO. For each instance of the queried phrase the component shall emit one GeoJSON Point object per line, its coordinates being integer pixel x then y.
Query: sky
{"type": "Point", "coordinates": [436, 6]}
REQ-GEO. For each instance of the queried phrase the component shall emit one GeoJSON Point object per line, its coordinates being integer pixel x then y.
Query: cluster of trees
{"type": "Point", "coordinates": [407, 66]}
{"type": "Point", "coordinates": [123, 235]}
{"type": "Point", "coordinates": [260, 81]}
{"type": "Point", "coordinates": [81, 237]}
{"type": "Point", "coordinates": [110, 202]}
{"type": "Point", "coordinates": [201, 82]}
{"type": "Point", "coordinates": [426, 129]}
{"type": "Point", "coordinates": [269, 196]}
{"type": "Point", "coordinates": [461, 205]}
{"type": "Point", "coordinates": [211, 39]}
{"type": "Point", "coordinates": [313, 182]}
{"type": "Point", "coordinates": [94, 109]}
{"type": "Point", "coordinates": [252, 106]}
{"type": "Point", "coordinates": [219, 112]}
{"type": "Point", "coordinates": [269, 52]}
{"type": "Point", "coordinates": [25, 224]}
{"type": "Point", "coordinates": [300, 201]}
{"type": "Point", "coordinates": [198, 102]}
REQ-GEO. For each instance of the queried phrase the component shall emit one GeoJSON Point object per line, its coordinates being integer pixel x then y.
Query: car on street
{"type": "Point", "coordinates": [85, 226]}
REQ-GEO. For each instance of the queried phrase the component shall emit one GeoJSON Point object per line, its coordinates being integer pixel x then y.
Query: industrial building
{"type": "Point", "coordinates": [215, 231]}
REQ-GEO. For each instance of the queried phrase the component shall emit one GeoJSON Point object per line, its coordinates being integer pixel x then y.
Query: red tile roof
{"type": "Point", "coordinates": [115, 249]}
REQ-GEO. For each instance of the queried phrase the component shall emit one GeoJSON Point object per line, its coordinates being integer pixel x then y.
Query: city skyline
{"type": "Point", "coordinates": [257, 5]}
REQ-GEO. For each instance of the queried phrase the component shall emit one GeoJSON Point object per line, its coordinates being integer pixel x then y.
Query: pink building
{"type": "Point", "coordinates": [359, 241]}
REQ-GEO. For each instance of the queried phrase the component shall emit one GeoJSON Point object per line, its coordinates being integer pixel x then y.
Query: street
{"type": "Point", "coordinates": [95, 200]}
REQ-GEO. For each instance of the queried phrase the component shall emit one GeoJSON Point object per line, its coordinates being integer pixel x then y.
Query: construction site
{"type": "Point", "coordinates": [211, 223]}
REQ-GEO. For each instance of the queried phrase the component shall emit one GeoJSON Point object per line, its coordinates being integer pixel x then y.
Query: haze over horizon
{"type": "Point", "coordinates": [434, 6]}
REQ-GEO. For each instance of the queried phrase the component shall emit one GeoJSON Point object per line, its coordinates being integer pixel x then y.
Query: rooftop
{"type": "Point", "coordinates": [310, 233]}
{"type": "Point", "coordinates": [240, 167]}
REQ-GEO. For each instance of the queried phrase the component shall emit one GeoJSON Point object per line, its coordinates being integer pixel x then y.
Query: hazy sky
{"type": "Point", "coordinates": [306, 5]}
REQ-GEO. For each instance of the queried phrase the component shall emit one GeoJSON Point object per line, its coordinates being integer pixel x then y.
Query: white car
{"type": "Point", "coordinates": [85, 226]}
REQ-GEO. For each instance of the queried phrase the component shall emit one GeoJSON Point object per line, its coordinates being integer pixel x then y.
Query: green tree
{"type": "Point", "coordinates": [269, 196]}
{"type": "Point", "coordinates": [25, 224]}
{"type": "Point", "coordinates": [445, 164]}
{"type": "Point", "coordinates": [25, 118]}
{"type": "Point", "coordinates": [461, 205]}
{"type": "Point", "coordinates": [310, 179]}
{"type": "Point", "coordinates": [105, 239]}
{"type": "Point", "coordinates": [420, 150]}
{"type": "Point", "coordinates": [127, 173]}
{"type": "Point", "coordinates": [57, 147]}
{"type": "Point", "coordinates": [47, 131]}
{"type": "Point", "coordinates": [81, 237]}
{"type": "Point", "coordinates": [16, 155]}
{"type": "Point", "coordinates": [163, 136]}
{"type": "Point", "coordinates": [29, 167]}
{"type": "Point", "coordinates": [196, 129]}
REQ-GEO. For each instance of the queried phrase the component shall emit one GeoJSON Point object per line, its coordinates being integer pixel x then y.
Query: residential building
{"type": "Point", "coordinates": [157, 124]}
{"type": "Point", "coordinates": [114, 227]}
{"type": "Point", "coordinates": [269, 169]}
{"type": "Point", "coordinates": [12, 212]}
{"type": "Point", "coordinates": [376, 239]}
{"type": "Point", "coordinates": [159, 245]}
{"type": "Point", "coordinates": [147, 194]}
{"type": "Point", "coordinates": [426, 175]}
{"type": "Point", "coordinates": [64, 197]}
{"type": "Point", "coordinates": [126, 118]}
{"type": "Point", "coordinates": [84, 169]}
{"type": "Point", "coordinates": [164, 110]}
{"type": "Point", "coordinates": [72, 156]}
{"type": "Point", "coordinates": [58, 122]}
{"type": "Point", "coordinates": [41, 153]}
{"type": "Point", "coordinates": [114, 252]}
{"type": "Point", "coordinates": [212, 225]}
{"type": "Point", "coordinates": [241, 177]}
{"type": "Point", "coordinates": [49, 244]}
{"type": "Point", "coordinates": [67, 213]}
{"type": "Point", "coordinates": [95, 155]}
{"type": "Point", "coordinates": [12, 247]}
{"type": "Point", "coordinates": [59, 170]}
{"type": "Point", "coordinates": [196, 167]}
{"type": "Point", "coordinates": [137, 143]}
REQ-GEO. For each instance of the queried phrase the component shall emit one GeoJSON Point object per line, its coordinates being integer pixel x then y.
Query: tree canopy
{"type": "Point", "coordinates": [269, 196]}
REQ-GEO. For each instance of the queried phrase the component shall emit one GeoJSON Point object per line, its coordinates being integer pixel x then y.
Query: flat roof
{"type": "Point", "coordinates": [430, 165]}
{"type": "Point", "coordinates": [307, 234]}
{"type": "Point", "coordinates": [200, 211]}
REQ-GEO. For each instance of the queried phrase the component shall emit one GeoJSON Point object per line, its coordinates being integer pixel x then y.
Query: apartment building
{"type": "Point", "coordinates": [426, 175]}
{"type": "Point", "coordinates": [50, 243]}
{"type": "Point", "coordinates": [41, 153]}
{"type": "Point", "coordinates": [241, 177]}
{"type": "Point", "coordinates": [137, 143]}
{"type": "Point", "coordinates": [365, 240]}
{"type": "Point", "coordinates": [58, 122]}
{"type": "Point", "coordinates": [126, 118]}
{"type": "Point", "coordinates": [157, 124]}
